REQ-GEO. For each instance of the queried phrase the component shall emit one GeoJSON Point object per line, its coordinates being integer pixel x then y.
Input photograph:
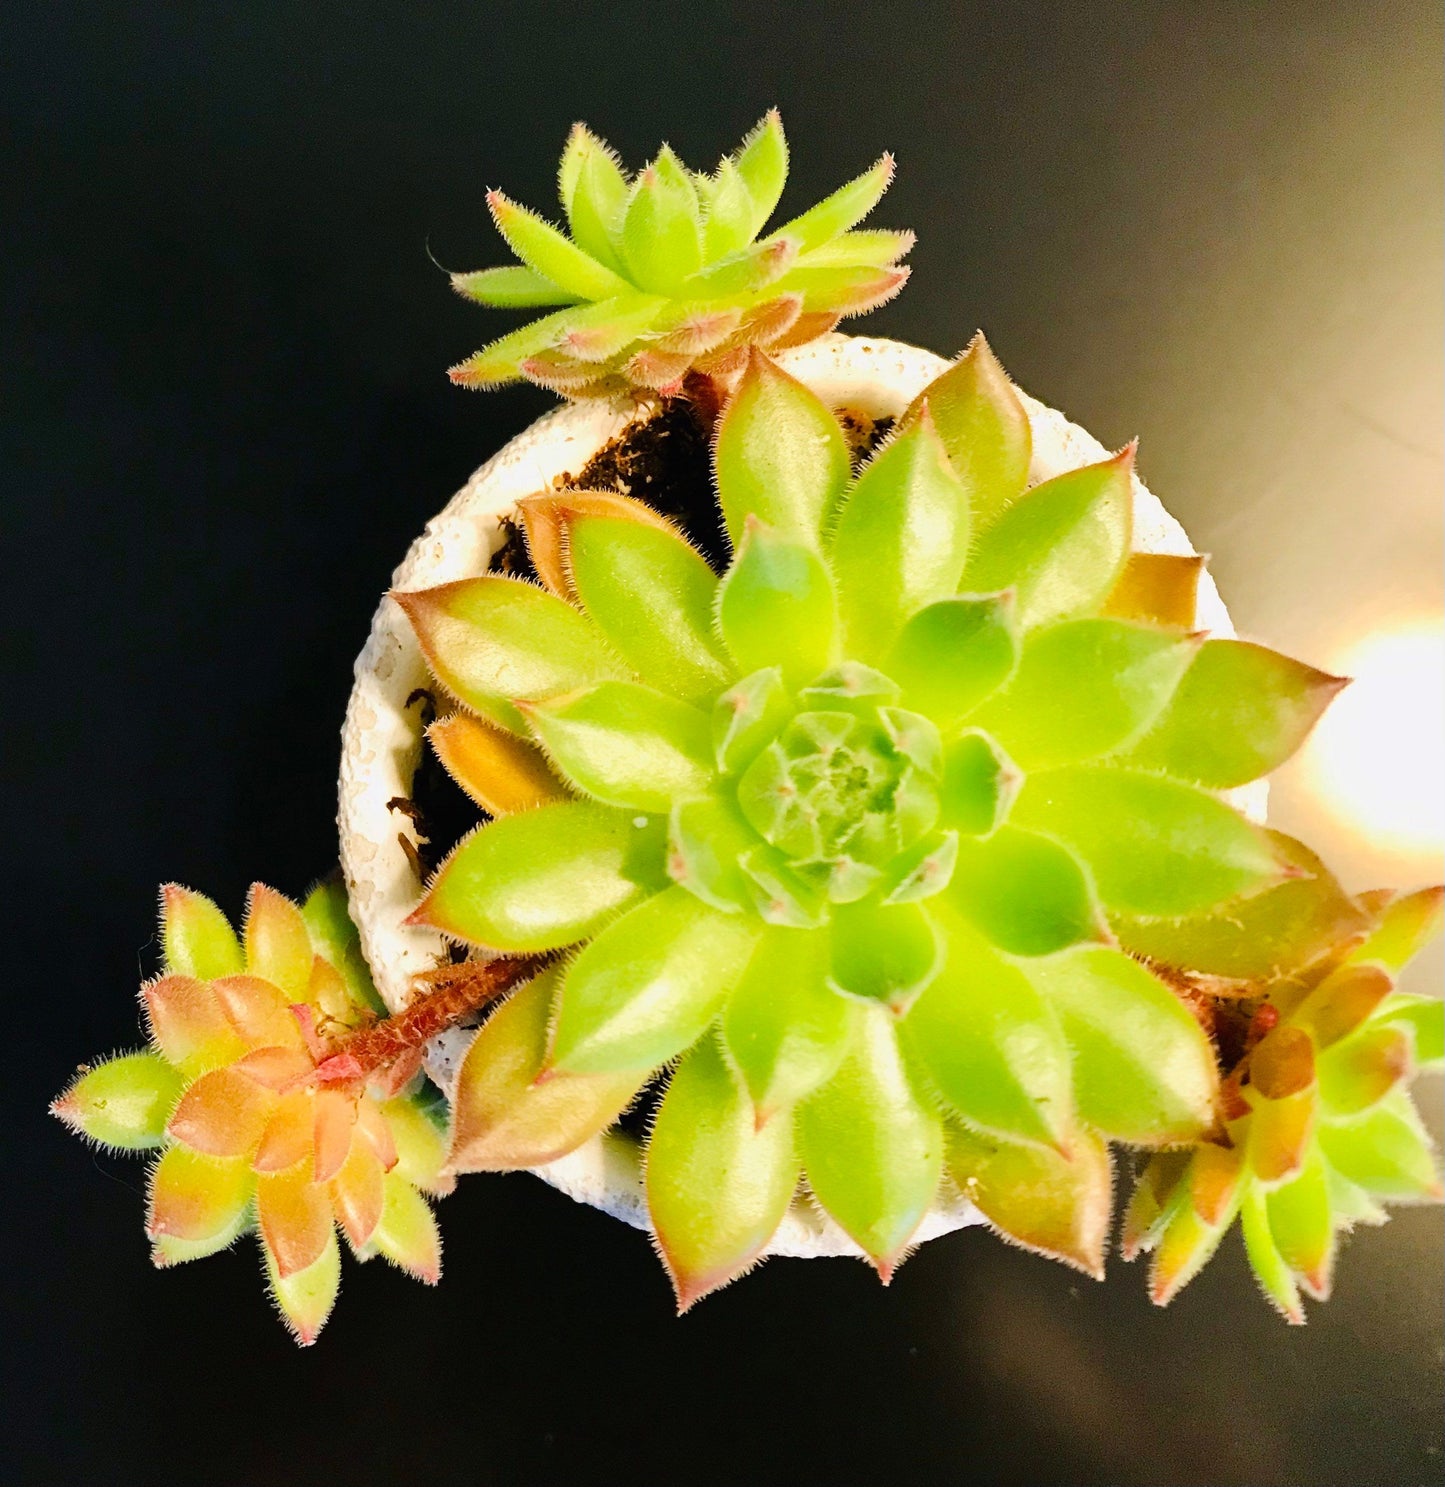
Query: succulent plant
{"type": "Point", "coordinates": [900, 857]}
{"type": "Point", "coordinates": [858, 835]}
{"type": "Point", "coordinates": [665, 273]}
{"type": "Point", "coordinates": [262, 1121]}
{"type": "Point", "coordinates": [1317, 1128]}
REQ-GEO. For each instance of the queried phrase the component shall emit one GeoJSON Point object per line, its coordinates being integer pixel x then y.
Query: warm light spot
{"type": "Point", "coordinates": [1377, 758]}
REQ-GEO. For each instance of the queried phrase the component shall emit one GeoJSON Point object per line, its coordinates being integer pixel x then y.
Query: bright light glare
{"type": "Point", "coordinates": [1378, 756]}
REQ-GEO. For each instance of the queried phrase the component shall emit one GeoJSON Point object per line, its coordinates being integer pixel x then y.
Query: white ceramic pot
{"type": "Point", "coordinates": [382, 737]}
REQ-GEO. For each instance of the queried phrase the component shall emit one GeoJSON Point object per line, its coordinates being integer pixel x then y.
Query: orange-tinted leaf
{"type": "Point", "coordinates": [372, 1127]}
{"type": "Point", "coordinates": [356, 1194]}
{"type": "Point", "coordinates": [502, 773]}
{"type": "Point", "coordinates": [1283, 1064]}
{"type": "Point", "coordinates": [335, 1118]}
{"type": "Point", "coordinates": [1215, 1173]}
{"type": "Point", "coordinates": [187, 1024]}
{"type": "Point", "coordinates": [1342, 1001]}
{"type": "Point", "coordinates": [222, 1114]}
{"type": "Point", "coordinates": [196, 1197]}
{"type": "Point", "coordinates": [1159, 588]}
{"type": "Point", "coordinates": [305, 1297]}
{"type": "Point", "coordinates": [295, 1218]}
{"type": "Point", "coordinates": [257, 1011]}
{"type": "Point", "coordinates": [274, 1068]}
{"type": "Point", "coordinates": [287, 1137]}
{"type": "Point", "coordinates": [1279, 1135]}
{"type": "Point", "coordinates": [1054, 1205]}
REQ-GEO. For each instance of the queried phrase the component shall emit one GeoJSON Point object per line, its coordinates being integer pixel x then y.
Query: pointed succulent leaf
{"type": "Point", "coordinates": [123, 1103]}
{"type": "Point", "coordinates": [222, 1114]}
{"type": "Point", "coordinates": [1280, 1132]}
{"type": "Point", "coordinates": [748, 716]}
{"type": "Point", "coordinates": [1301, 1223]}
{"type": "Point", "coordinates": [278, 946]}
{"type": "Point", "coordinates": [1424, 1018]}
{"type": "Point", "coordinates": [707, 837]}
{"type": "Point", "coordinates": [993, 1047]}
{"type": "Point", "coordinates": [883, 952]}
{"type": "Point", "coordinates": [334, 937]}
{"type": "Point", "coordinates": [833, 292]}
{"type": "Point", "coordinates": [166, 1250]}
{"type": "Point", "coordinates": [545, 878]}
{"type": "Point", "coordinates": [511, 288]}
{"type": "Point", "coordinates": [305, 1297]}
{"type": "Point", "coordinates": [196, 936]}
{"type": "Point", "coordinates": [652, 596]}
{"type": "Point", "coordinates": [951, 655]}
{"type": "Point", "coordinates": [648, 985]}
{"type": "Point", "coordinates": [780, 455]}
{"type": "Point", "coordinates": [492, 640]}
{"type": "Point", "coordinates": [925, 870]}
{"type": "Point", "coordinates": [548, 518]}
{"type": "Point", "coordinates": [504, 1119]}
{"type": "Point", "coordinates": [866, 249]}
{"type": "Point", "coordinates": [762, 166]}
{"type": "Point", "coordinates": [1185, 1247]}
{"type": "Point", "coordinates": [1386, 1151]}
{"type": "Point", "coordinates": [1239, 712]}
{"type": "Point", "coordinates": [196, 1197]}
{"type": "Point", "coordinates": [1352, 1204]}
{"type": "Point", "coordinates": [1342, 1002]}
{"type": "Point", "coordinates": [844, 209]}
{"type": "Point", "coordinates": [984, 427]}
{"type": "Point", "coordinates": [1405, 925]}
{"type": "Point", "coordinates": [1154, 846]}
{"type": "Point", "coordinates": [1143, 1070]}
{"type": "Point", "coordinates": [502, 773]}
{"type": "Point", "coordinates": [901, 539]}
{"type": "Point", "coordinates": [784, 1028]}
{"type": "Point", "coordinates": [744, 272]}
{"type": "Point", "coordinates": [782, 895]}
{"type": "Point", "coordinates": [596, 333]}
{"type": "Point", "coordinates": [1051, 1204]}
{"type": "Point", "coordinates": [1271, 1269]}
{"type": "Point", "coordinates": [421, 1145]}
{"type": "Point", "coordinates": [594, 195]}
{"type": "Point", "coordinates": [1028, 893]}
{"type": "Point", "coordinates": [551, 253]}
{"type": "Point", "coordinates": [1159, 1190]}
{"type": "Point", "coordinates": [294, 1216]}
{"type": "Point", "coordinates": [728, 226]}
{"type": "Point", "coordinates": [357, 1193]}
{"type": "Point", "coordinates": [980, 784]}
{"type": "Point", "coordinates": [626, 745]}
{"type": "Point", "coordinates": [872, 1144]}
{"type": "Point", "coordinates": [1157, 588]}
{"type": "Point", "coordinates": [718, 1183]}
{"type": "Point", "coordinates": [258, 1011]}
{"type": "Point", "coordinates": [1127, 672]}
{"type": "Point", "coordinates": [1261, 937]}
{"type": "Point", "coordinates": [501, 360]}
{"type": "Point", "coordinates": [1061, 546]}
{"type": "Point", "coordinates": [776, 606]}
{"type": "Point", "coordinates": [407, 1232]}
{"type": "Point", "coordinates": [1215, 1181]}
{"type": "Point", "coordinates": [662, 227]}
{"type": "Point", "coordinates": [1361, 1070]}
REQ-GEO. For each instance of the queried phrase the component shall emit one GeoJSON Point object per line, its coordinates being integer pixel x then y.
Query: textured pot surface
{"type": "Point", "coordinates": [382, 737]}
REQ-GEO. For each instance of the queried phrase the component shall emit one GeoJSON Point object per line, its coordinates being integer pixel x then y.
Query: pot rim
{"type": "Point", "coordinates": [382, 736]}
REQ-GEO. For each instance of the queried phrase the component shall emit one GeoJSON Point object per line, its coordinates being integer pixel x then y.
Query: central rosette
{"type": "Point", "coordinates": [846, 785]}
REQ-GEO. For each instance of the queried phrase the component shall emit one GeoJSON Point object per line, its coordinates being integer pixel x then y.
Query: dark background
{"type": "Point", "coordinates": [224, 417]}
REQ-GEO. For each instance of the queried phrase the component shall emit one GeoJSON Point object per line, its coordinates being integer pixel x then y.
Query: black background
{"type": "Point", "coordinates": [1214, 225]}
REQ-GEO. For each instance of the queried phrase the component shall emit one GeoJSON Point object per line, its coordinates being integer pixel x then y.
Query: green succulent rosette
{"type": "Point", "coordinates": [668, 271]}
{"type": "Point", "coordinates": [892, 842]}
{"type": "Point", "coordinates": [1317, 1130]}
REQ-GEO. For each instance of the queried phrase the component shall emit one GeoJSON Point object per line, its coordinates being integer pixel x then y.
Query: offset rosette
{"type": "Point", "coordinates": [857, 837]}
{"type": "Point", "coordinates": [668, 271]}
{"type": "Point", "coordinates": [256, 1127]}
{"type": "Point", "coordinates": [1318, 1130]}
